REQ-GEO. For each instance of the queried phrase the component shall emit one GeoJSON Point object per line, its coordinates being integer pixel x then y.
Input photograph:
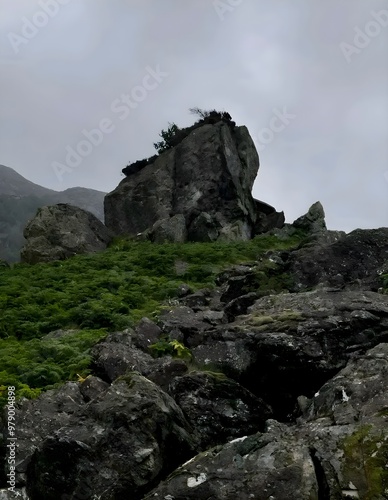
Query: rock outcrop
{"type": "Point", "coordinates": [61, 231]}
{"type": "Point", "coordinates": [199, 190]}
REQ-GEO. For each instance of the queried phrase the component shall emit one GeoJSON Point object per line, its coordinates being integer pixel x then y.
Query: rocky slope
{"type": "Point", "coordinates": [271, 395]}
{"type": "Point", "coordinates": [19, 200]}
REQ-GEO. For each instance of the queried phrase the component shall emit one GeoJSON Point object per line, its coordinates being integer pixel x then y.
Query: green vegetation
{"type": "Point", "coordinates": [172, 347]}
{"type": "Point", "coordinates": [167, 136]}
{"type": "Point", "coordinates": [174, 135]}
{"type": "Point", "coordinates": [384, 282]}
{"type": "Point", "coordinates": [103, 292]}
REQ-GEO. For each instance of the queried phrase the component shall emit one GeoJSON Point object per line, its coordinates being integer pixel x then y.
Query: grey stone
{"type": "Point", "coordinates": [61, 231]}
{"type": "Point", "coordinates": [206, 178]}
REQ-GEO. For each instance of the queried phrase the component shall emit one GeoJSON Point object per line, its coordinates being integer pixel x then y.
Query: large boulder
{"type": "Point", "coordinates": [206, 180]}
{"type": "Point", "coordinates": [355, 260]}
{"type": "Point", "coordinates": [292, 343]}
{"type": "Point", "coordinates": [61, 231]}
{"type": "Point", "coordinates": [337, 450]}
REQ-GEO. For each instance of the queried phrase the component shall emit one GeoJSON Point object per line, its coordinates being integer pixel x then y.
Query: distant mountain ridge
{"type": "Point", "coordinates": [19, 200]}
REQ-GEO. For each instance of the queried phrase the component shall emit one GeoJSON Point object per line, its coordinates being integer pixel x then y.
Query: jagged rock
{"type": "Point", "coordinates": [207, 178]}
{"type": "Point", "coordinates": [145, 333]}
{"type": "Point", "coordinates": [119, 354]}
{"type": "Point", "coordinates": [116, 355]}
{"type": "Point", "coordinates": [354, 260]}
{"type": "Point", "coordinates": [218, 408]}
{"type": "Point", "coordinates": [294, 342]}
{"type": "Point", "coordinates": [313, 221]}
{"type": "Point", "coordinates": [61, 231]}
{"type": "Point", "coordinates": [115, 445]}
{"type": "Point", "coordinates": [172, 230]}
{"type": "Point", "coordinates": [339, 450]}
{"type": "Point", "coordinates": [267, 218]}
{"type": "Point", "coordinates": [204, 228]}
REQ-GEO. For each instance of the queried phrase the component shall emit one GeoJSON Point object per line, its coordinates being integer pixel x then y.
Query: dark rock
{"type": "Point", "coordinates": [171, 230]}
{"type": "Point", "coordinates": [204, 228]}
{"type": "Point", "coordinates": [183, 290]}
{"type": "Point", "coordinates": [313, 221]}
{"type": "Point", "coordinates": [291, 343]}
{"type": "Point", "coordinates": [217, 407]}
{"type": "Point", "coordinates": [92, 387]}
{"type": "Point", "coordinates": [145, 334]}
{"type": "Point", "coordinates": [267, 218]}
{"type": "Point", "coordinates": [61, 231]}
{"type": "Point", "coordinates": [197, 300]}
{"type": "Point", "coordinates": [339, 450]}
{"type": "Point", "coordinates": [239, 305]}
{"type": "Point", "coordinates": [236, 286]}
{"type": "Point", "coordinates": [133, 432]}
{"type": "Point", "coordinates": [355, 260]}
{"type": "Point", "coordinates": [111, 359]}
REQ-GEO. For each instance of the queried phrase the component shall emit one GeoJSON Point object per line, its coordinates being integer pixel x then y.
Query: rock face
{"type": "Point", "coordinates": [61, 231]}
{"type": "Point", "coordinates": [199, 190]}
{"type": "Point", "coordinates": [338, 449]}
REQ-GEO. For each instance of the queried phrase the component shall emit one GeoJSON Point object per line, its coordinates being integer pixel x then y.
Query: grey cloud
{"type": "Point", "coordinates": [262, 56]}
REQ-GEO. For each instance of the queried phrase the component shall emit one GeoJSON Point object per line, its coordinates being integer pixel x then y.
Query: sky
{"type": "Point", "coordinates": [86, 86]}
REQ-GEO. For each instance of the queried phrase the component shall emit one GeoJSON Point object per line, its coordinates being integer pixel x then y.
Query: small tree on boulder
{"type": "Point", "coordinates": [167, 136]}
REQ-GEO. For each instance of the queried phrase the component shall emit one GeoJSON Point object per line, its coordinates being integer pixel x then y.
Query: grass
{"type": "Point", "coordinates": [104, 292]}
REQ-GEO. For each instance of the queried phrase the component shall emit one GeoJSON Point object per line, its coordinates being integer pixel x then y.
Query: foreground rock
{"type": "Point", "coordinates": [355, 260]}
{"type": "Point", "coordinates": [118, 443]}
{"type": "Point", "coordinates": [292, 343]}
{"type": "Point", "coordinates": [199, 190]}
{"type": "Point", "coordinates": [338, 450]}
{"type": "Point", "coordinates": [61, 231]}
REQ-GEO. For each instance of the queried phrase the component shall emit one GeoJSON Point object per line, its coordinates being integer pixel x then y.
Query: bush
{"type": "Point", "coordinates": [167, 136]}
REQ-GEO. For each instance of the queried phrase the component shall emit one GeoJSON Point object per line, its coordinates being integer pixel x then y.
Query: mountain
{"type": "Point", "coordinates": [19, 200]}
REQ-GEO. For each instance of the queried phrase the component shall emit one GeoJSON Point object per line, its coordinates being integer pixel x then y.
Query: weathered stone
{"type": "Point", "coordinates": [313, 221]}
{"type": "Point", "coordinates": [267, 218]}
{"type": "Point", "coordinates": [171, 230]}
{"type": "Point", "coordinates": [293, 342]}
{"type": "Point", "coordinates": [355, 260]}
{"type": "Point", "coordinates": [206, 179]}
{"type": "Point", "coordinates": [61, 231]}
{"type": "Point", "coordinates": [116, 445]}
{"type": "Point", "coordinates": [145, 334]}
{"type": "Point", "coordinates": [219, 408]}
{"type": "Point", "coordinates": [337, 450]}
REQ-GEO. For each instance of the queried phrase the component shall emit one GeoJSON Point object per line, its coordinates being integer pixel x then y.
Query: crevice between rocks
{"type": "Point", "coordinates": [323, 486]}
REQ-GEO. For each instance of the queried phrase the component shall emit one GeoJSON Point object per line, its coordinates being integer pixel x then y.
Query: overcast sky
{"type": "Point", "coordinates": [309, 78]}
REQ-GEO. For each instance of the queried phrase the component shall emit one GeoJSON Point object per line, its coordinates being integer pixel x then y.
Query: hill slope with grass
{"type": "Point", "coordinates": [102, 293]}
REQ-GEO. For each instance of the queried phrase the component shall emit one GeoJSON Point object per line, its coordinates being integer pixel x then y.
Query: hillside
{"type": "Point", "coordinates": [195, 346]}
{"type": "Point", "coordinates": [216, 352]}
{"type": "Point", "coordinates": [19, 200]}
